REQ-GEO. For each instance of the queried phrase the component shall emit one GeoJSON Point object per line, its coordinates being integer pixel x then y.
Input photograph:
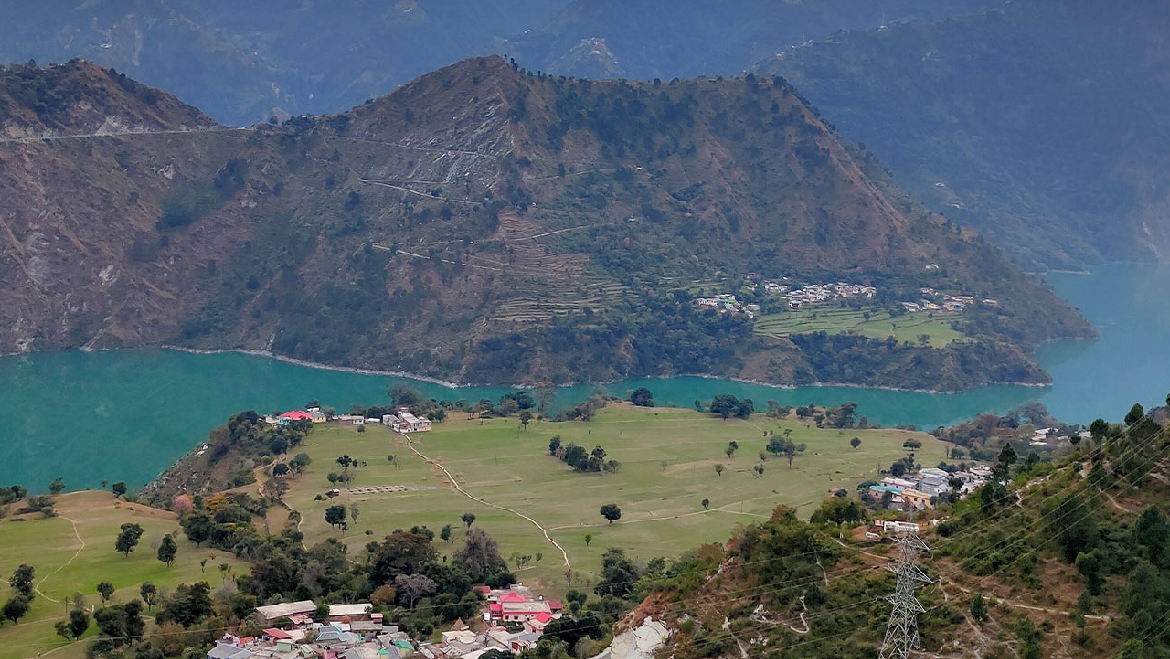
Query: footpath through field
{"type": "Point", "coordinates": [485, 502]}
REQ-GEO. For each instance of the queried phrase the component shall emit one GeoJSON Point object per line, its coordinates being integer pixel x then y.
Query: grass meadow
{"type": "Point", "coordinates": [879, 325]}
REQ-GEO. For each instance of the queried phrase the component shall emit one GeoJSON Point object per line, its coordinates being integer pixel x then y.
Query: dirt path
{"type": "Point", "coordinates": [37, 587]}
{"type": "Point", "coordinates": [459, 488]}
{"type": "Point", "coordinates": [721, 509]}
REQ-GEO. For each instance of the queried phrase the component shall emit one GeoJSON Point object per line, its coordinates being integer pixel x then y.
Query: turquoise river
{"type": "Point", "coordinates": [126, 415]}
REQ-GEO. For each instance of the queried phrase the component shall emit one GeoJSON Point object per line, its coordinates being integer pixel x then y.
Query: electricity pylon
{"type": "Point", "coordinates": [902, 631]}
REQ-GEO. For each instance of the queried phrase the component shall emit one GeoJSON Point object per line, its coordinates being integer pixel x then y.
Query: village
{"type": "Point", "coordinates": [513, 619]}
{"type": "Point", "coordinates": [799, 296]}
{"type": "Point", "coordinates": [401, 421]}
{"type": "Point", "coordinates": [920, 491]}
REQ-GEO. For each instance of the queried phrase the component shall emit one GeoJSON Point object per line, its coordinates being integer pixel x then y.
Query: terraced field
{"type": "Point", "coordinates": [936, 325]}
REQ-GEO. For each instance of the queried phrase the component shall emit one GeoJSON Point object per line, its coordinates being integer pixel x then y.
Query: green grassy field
{"type": "Point", "coordinates": [667, 456]}
{"type": "Point", "coordinates": [835, 320]}
{"type": "Point", "coordinates": [67, 562]}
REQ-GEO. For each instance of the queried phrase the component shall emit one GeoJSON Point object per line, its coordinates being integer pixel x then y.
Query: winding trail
{"type": "Point", "coordinates": [459, 488]}
{"type": "Point", "coordinates": [37, 587]}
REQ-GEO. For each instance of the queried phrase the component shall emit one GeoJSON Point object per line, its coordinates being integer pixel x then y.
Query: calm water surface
{"type": "Point", "coordinates": [126, 415]}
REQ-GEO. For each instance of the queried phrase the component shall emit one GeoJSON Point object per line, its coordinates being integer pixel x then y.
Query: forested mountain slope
{"type": "Point", "coordinates": [1039, 123]}
{"type": "Point", "coordinates": [486, 224]}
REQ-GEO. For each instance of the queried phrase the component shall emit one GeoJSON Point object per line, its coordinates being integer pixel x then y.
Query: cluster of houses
{"type": "Point", "coordinates": [513, 621]}
{"type": "Point", "coordinates": [1049, 436]}
{"type": "Point", "coordinates": [916, 491]}
{"type": "Point", "coordinates": [727, 304]}
{"type": "Point", "coordinates": [349, 631]}
{"type": "Point", "coordinates": [932, 301]}
{"type": "Point", "coordinates": [819, 293]}
{"type": "Point", "coordinates": [402, 421]}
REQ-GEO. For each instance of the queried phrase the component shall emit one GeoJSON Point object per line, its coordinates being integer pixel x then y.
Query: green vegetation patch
{"type": "Point", "coordinates": [874, 323]}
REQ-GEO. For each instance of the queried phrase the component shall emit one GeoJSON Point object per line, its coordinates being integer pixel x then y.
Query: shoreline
{"type": "Point", "coordinates": [455, 386]}
{"type": "Point", "coordinates": [471, 385]}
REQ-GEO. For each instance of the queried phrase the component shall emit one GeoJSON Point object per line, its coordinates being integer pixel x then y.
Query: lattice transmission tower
{"type": "Point", "coordinates": [902, 631]}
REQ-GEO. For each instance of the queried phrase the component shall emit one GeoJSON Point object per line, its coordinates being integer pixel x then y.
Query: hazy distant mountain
{"type": "Point", "coordinates": [1042, 124]}
{"type": "Point", "coordinates": [668, 38]}
{"type": "Point", "coordinates": [240, 61]}
{"type": "Point", "coordinates": [482, 224]}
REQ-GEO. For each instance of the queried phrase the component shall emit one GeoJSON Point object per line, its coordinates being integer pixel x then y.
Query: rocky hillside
{"type": "Point", "coordinates": [1037, 123]}
{"type": "Point", "coordinates": [488, 224]}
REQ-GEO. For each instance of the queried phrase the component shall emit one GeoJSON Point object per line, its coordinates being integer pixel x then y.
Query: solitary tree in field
{"type": "Point", "coordinates": [128, 539]}
{"type": "Point", "coordinates": [15, 608]}
{"type": "Point", "coordinates": [224, 569]}
{"type": "Point", "coordinates": [855, 442]}
{"type": "Point", "coordinates": [468, 519]}
{"type": "Point", "coordinates": [759, 469]}
{"type": "Point", "coordinates": [335, 515]}
{"type": "Point", "coordinates": [525, 417]}
{"type": "Point", "coordinates": [75, 626]}
{"type": "Point", "coordinates": [730, 450]}
{"type": "Point", "coordinates": [978, 609]}
{"type": "Point", "coordinates": [588, 539]}
{"type": "Point", "coordinates": [106, 590]}
{"type": "Point", "coordinates": [611, 512]}
{"type": "Point", "coordinates": [353, 511]}
{"type": "Point", "coordinates": [57, 486]}
{"type": "Point", "coordinates": [445, 533]}
{"type": "Point", "coordinates": [706, 503]}
{"type": "Point", "coordinates": [118, 489]}
{"type": "Point", "coordinates": [167, 550]}
{"type": "Point", "coordinates": [718, 470]}
{"type": "Point", "coordinates": [22, 580]}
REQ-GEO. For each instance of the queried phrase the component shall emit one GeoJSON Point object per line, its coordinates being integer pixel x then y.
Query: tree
{"type": "Point", "coordinates": [718, 470]}
{"type": "Point", "coordinates": [335, 515]}
{"type": "Point", "coordinates": [588, 539]}
{"type": "Point", "coordinates": [1135, 414]}
{"type": "Point", "coordinates": [353, 512]}
{"type": "Point", "coordinates": [106, 590]}
{"type": "Point", "coordinates": [119, 490]}
{"type": "Point", "coordinates": [198, 526]}
{"type": "Point", "coordinates": [525, 418]}
{"type": "Point", "coordinates": [167, 550]}
{"type": "Point", "coordinates": [404, 395]}
{"type": "Point", "coordinates": [978, 608]}
{"type": "Point", "coordinates": [73, 628]}
{"type": "Point", "coordinates": [480, 556]}
{"type": "Point", "coordinates": [1089, 565]}
{"type": "Point", "coordinates": [759, 469]}
{"type": "Point", "coordinates": [128, 539]}
{"type": "Point", "coordinates": [706, 503]}
{"type": "Point", "coordinates": [149, 592]}
{"type": "Point", "coordinates": [1007, 457]}
{"type": "Point", "coordinates": [732, 446]}
{"type": "Point", "coordinates": [299, 462]}
{"type": "Point", "coordinates": [22, 580]}
{"type": "Point", "coordinates": [401, 552]}
{"type": "Point", "coordinates": [855, 442]}
{"type": "Point", "coordinates": [642, 397]}
{"type": "Point", "coordinates": [445, 533]}
{"type": "Point", "coordinates": [413, 586]}
{"type": "Point", "coordinates": [468, 519]}
{"type": "Point", "coordinates": [15, 608]}
{"type": "Point", "coordinates": [280, 469]}
{"type": "Point", "coordinates": [791, 450]}
{"type": "Point", "coordinates": [57, 486]}
{"type": "Point", "coordinates": [1098, 429]}
{"type": "Point", "coordinates": [611, 512]}
{"type": "Point", "coordinates": [618, 574]}
{"type": "Point", "coordinates": [554, 444]}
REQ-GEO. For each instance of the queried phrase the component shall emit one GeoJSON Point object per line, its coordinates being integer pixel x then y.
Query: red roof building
{"type": "Point", "coordinates": [277, 633]}
{"type": "Point", "coordinates": [297, 415]}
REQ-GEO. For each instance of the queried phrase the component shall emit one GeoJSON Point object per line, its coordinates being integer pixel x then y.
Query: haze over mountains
{"type": "Point", "coordinates": [481, 224]}
{"type": "Point", "coordinates": [1041, 123]}
{"type": "Point", "coordinates": [239, 62]}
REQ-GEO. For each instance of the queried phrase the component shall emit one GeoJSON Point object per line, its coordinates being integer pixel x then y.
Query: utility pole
{"type": "Point", "coordinates": [902, 630]}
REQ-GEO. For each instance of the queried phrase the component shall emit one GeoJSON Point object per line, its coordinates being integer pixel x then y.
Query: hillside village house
{"type": "Point", "coordinates": [404, 421]}
{"type": "Point", "coordinates": [266, 614]}
{"type": "Point", "coordinates": [352, 419]}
